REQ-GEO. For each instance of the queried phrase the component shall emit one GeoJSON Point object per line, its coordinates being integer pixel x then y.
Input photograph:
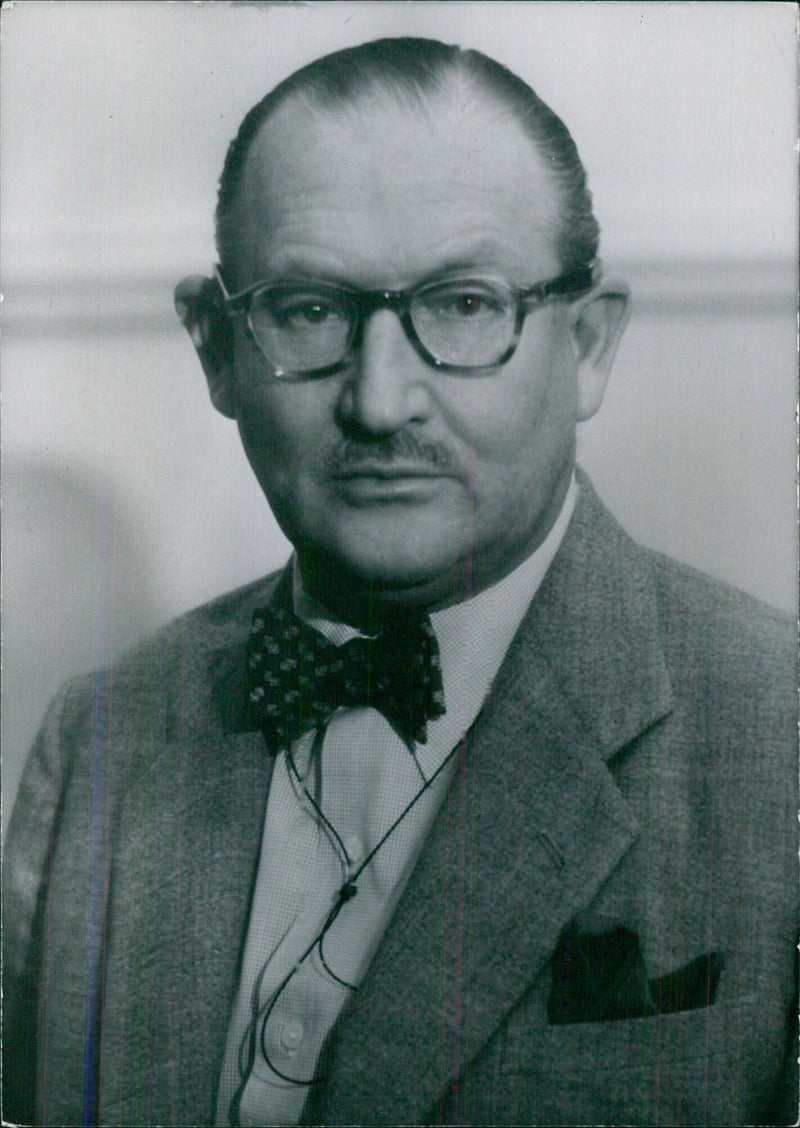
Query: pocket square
{"type": "Point", "coordinates": [600, 978]}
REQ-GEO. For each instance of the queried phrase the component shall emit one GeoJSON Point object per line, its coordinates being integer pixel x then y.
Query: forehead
{"type": "Point", "coordinates": [383, 193]}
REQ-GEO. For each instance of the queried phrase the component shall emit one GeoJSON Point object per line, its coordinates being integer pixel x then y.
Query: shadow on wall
{"type": "Point", "coordinates": [77, 590]}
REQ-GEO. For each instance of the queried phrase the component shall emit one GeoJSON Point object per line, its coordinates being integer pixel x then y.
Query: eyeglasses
{"type": "Point", "coordinates": [467, 323]}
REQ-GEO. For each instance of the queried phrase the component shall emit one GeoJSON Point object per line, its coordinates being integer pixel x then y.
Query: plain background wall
{"type": "Point", "coordinates": [127, 500]}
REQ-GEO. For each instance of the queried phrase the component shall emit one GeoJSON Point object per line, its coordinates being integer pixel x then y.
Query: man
{"type": "Point", "coordinates": [478, 813]}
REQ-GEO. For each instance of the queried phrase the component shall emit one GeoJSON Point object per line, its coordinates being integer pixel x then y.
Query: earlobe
{"type": "Point", "coordinates": [597, 322]}
{"type": "Point", "coordinates": [197, 303]}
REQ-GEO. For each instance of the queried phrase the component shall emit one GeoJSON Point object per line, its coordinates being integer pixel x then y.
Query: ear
{"type": "Point", "coordinates": [596, 323]}
{"type": "Point", "coordinates": [198, 302]}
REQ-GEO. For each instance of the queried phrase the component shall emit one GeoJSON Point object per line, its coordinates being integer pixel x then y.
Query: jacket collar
{"type": "Point", "coordinates": [532, 827]}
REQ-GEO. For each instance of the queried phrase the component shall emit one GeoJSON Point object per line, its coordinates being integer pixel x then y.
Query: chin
{"type": "Point", "coordinates": [391, 574]}
{"type": "Point", "coordinates": [381, 578]}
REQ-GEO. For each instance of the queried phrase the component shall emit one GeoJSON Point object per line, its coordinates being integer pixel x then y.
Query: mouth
{"type": "Point", "coordinates": [370, 483]}
{"type": "Point", "coordinates": [387, 473]}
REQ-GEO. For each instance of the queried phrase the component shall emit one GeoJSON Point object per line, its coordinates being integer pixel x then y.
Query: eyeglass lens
{"type": "Point", "coordinates": [467, 324]}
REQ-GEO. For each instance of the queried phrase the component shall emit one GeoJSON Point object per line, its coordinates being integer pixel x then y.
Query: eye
{"type": "Point", "coordinates": [303, 312]}
{"type": "Point", "coordinates": [465, 303]}
{"type": "Point", "coordinates": [300, 311]}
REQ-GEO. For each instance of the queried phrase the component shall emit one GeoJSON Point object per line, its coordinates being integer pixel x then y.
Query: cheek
{"type": "Point", "coordinates": [520, 425]}
{"type": "Point", "coordinates": [273, 453]}
{"type": "Point", "coordinates": [284, 427]}
{"type": "Point", "coordinates": [522, 439]}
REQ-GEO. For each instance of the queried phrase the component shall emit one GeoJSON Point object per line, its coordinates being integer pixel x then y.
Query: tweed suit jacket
{"type": "Point", "coordinates": [630, 781]}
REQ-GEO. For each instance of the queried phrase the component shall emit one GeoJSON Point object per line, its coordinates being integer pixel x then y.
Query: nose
{"type": "Point", "coordinates": [388, 385]}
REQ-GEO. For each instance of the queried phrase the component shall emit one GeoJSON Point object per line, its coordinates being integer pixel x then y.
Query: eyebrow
{"type": "Point", "coordinates": [479, 252]}
{"type": "Point", "coordinates": [481, 255]}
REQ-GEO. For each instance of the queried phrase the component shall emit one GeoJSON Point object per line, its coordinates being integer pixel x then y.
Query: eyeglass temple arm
{"type": "Point", "coordinates": [573, 282]}
{"type": "Point", "coordinates": [229, 300]}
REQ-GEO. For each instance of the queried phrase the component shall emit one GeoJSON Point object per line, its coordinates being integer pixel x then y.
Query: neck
{"type": "Point", "coordinates": [360, 601]}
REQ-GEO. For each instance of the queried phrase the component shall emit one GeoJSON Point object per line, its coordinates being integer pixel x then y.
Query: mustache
{"type": "Point", "coordinates": [403, 446]}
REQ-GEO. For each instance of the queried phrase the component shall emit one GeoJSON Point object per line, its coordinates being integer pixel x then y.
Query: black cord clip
{"type": "Point", "coordinates": [347, 892]}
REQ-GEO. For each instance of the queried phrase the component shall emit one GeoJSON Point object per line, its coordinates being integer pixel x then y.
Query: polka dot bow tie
{"type": "Point", "coordinates": [297, 678]}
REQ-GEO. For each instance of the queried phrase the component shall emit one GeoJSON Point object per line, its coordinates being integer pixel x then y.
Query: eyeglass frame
{"type": "Point", "coordinates": [571, 283]}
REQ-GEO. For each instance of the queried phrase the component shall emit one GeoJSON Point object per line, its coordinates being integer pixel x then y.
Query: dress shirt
{"type": "Point", "coordinates": [362, 776]}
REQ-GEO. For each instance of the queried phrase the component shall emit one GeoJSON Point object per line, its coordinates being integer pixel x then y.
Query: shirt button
{"type": "Point", "coordinates": [354, 848]}
{"type": "Point", "coordinates": [292, 1033]}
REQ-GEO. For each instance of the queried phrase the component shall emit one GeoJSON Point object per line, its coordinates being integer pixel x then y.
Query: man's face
{"type": "Point", "coordinates": [391, 477]}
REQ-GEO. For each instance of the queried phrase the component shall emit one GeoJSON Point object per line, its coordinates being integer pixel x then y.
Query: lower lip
{"type": "Point", "coordinates": [366, 488]}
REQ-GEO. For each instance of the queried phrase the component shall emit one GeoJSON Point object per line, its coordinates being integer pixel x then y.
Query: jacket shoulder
{"type": "Point", "coordinates": [709, 619]}
{"type": "Point", "coordinates": [163, 685]}
{"type": "Point", "coordinates": [213, 625]}
{"type": "Point", "coordinates": [732, 663]}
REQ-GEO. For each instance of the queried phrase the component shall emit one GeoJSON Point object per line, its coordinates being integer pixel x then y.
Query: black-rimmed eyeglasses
{"type": "Point", "coordinates": [466, 323]}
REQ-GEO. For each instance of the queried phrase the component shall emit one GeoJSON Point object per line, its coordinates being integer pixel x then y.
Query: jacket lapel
{"type": "Point", "coordinates": [533, 825]}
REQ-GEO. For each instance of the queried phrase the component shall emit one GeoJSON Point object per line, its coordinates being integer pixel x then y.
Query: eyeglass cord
{"type": "Point", "coordinates": [347, 892]}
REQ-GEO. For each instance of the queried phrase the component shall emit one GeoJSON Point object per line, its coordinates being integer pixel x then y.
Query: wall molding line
{"type": "Point", "coordinates": [119, 301]}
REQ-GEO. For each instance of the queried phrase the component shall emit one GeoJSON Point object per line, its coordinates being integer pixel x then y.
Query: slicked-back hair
{"type": "Point", "coordinates": [415, 71]}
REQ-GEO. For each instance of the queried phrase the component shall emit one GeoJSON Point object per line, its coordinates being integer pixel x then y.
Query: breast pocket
{"type": "Point", "coordinates": [715, 1065]}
